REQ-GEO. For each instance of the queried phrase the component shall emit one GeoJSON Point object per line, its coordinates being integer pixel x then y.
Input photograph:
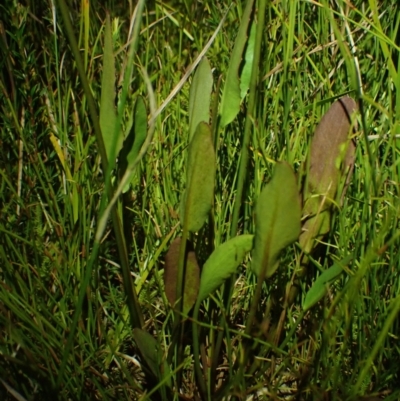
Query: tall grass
{"type": "Point", "coordinates": [53, 183]}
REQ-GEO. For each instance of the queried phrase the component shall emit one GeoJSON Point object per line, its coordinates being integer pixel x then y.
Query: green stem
{"type": "Point", "coordinates": [196, 352]}
{"type": "Point", "coordinates": [178, 328]}
{"type": "Point", "coordinates": [253, 92]}
{"type": "Point", "coordinates": [244, 156]}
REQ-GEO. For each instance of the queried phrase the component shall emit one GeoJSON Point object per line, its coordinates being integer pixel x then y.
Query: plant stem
{"type": "Point", "coordinates": [136, 317]}
{"type": "Point", "coordinates": [244, 156]}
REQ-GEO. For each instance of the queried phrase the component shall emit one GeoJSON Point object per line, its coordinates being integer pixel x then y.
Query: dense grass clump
{"type": "Point", "coordinates": [199, 200]}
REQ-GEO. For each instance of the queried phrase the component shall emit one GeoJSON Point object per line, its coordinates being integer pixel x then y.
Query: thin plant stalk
{"type": "Point", "coordinates": [244, 156]}
{"type": "Point", "coordinates": [135, 313]}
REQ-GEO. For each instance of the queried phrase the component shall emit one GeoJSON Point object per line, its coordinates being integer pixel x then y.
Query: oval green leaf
{"type": "Point", "coordinates": [222, 263]}
{"type": "Point", "coordinates": [277, 220]}
{"type": "Point", "coordinates": [198, 196]}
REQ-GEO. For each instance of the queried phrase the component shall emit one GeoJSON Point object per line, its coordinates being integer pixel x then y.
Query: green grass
{"type": "Point", "coordinates": [52, 183]}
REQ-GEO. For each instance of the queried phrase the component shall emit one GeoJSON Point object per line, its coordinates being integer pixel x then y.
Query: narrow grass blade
{"type": "Point", "coordinates": [278, 215]}
{"type": "Point", "coordinates": [198, 197]}
{"type": "Point", "coordinates": [199, 98]}
{"type": "Point", "coordinates": [108, 116]}
{"type": "Point", "coordinates": [192, 275]}
{"type": "Point", "coordinates": [14, 393]}
{"type": "Point", "coordinates": [222, 263]}
{"type": "Point", "coordinates": [331, 156]}
{"type": "Point", "coordinates": [321, 284]}
{"type": "Point", "coordinates": [230, 102]}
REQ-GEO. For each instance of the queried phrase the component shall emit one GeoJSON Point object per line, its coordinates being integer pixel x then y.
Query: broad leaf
{"type": "Point", "coordinates": [331, 157]}
{"type": "Point", "coordinates": [320, 286]}
{"type": "Point", "coordinates": [192, 275]}
{"type": "Point", "coordinates": [222, 263]}
{"type": "Point", "coordinates": [152, 353]}
{"type": "Point", "coordinates": [199, 98]}
{"type": "Point", "coordinates": [198, 196]}
{"type": "Point", "coordinates": [277, 220]}
{"type": "Point", "coordinates": [108, 117]}
{"type": "Point", "coordinates": [230, 101]}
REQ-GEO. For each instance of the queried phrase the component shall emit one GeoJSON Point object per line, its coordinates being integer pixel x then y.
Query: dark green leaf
{"type": "Point", "coordinates": [278, 215]}
{"type": "Point", "coordinates": [135, 139]}
{"type": "Point", "coordinates": [152, 353]}
{"type": "Point", "coordinates": [222, 263]}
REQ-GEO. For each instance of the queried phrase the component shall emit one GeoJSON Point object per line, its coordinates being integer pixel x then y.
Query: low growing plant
{"type": "Point", "coordinates": [259, 298]}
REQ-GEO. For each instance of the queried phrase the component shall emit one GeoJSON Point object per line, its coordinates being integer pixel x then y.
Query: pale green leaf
{"type": "Point", "coordinates": [108, 117]}
{"type": "Point", "coordinates": [199, 98]}
{"type": "Point", "coordinates": [222, 263]}
{"type": "Point", "coordinates": [277, 220]}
